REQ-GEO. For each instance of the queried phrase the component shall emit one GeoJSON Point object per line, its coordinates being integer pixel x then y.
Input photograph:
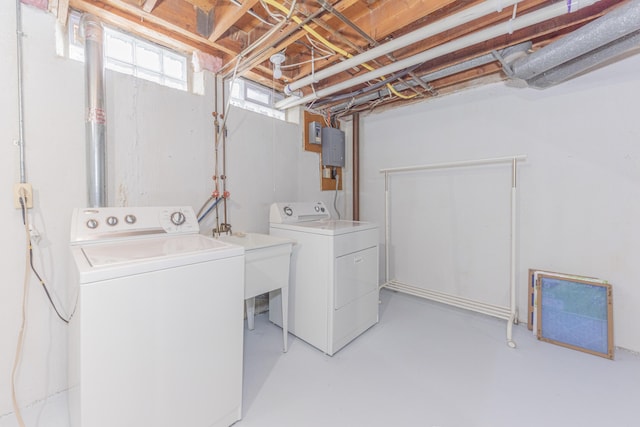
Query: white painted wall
{"type": "Point", "coordinates": [579, 188]}
{"type": "Point", "coordinates": [160, 147]}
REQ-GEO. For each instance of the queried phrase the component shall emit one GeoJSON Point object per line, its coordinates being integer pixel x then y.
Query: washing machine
{"type": "Point", "coordinates": [333, 288]}
{"type": "Point", "coordinates": [157, 336]}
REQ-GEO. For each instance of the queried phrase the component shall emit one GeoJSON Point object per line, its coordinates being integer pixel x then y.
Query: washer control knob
{"type": "Point", "coordinates": [130, 219]}
{"type": "Point", "coordinates": [92, 223]}
{"type": "Point", "coordinates": [112, 220]}
{"type": "Point", "coordinates": [317, 208]}
{"type": "Point", "coordinates": [288, 211]}
{"type": "Point", "coordinates": [178, 218]}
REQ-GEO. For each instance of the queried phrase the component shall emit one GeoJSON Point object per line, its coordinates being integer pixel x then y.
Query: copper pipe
{"type": "Point", "coordinates": [356, 166]}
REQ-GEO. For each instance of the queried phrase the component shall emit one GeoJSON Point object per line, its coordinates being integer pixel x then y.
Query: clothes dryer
{"type": "Point", "coordinates": [333, 288]}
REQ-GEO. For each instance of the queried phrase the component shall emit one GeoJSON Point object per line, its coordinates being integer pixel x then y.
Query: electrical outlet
{"type": "Point", "coordinates": [18, 191]}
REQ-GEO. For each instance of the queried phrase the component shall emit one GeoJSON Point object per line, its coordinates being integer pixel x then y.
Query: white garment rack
{"type": "Point", "coordinates": [509, 313]}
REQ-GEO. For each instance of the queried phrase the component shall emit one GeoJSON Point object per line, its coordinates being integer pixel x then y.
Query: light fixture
{"type": "Point", "coordinates": [277, 59]}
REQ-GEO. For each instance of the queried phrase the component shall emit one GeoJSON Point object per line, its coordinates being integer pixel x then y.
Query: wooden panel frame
{"type": "Point", "coordinates": [606, 287]}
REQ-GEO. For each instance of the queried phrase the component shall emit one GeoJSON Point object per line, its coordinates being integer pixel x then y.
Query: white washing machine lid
{"type": "Point", "coordinates": [331, 227]}
{"type": "Point", "coordinates": [102, 261]}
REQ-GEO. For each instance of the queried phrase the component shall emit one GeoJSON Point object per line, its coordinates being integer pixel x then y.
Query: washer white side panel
{"type": "Point", "coordinates": [160, 349]}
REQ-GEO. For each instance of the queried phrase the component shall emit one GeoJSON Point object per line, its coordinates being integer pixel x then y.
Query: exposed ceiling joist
{"type": "Point", "coordinates": [306, 30]}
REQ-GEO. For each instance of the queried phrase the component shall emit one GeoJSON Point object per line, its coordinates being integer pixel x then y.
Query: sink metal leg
{"type": "Point", "coordinates": [285, 314]}
{"type": "Point", "coordinates": [251, 311]}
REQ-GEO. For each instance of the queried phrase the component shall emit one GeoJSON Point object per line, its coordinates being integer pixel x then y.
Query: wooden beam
{"type": "Point", "coordinates": [158, 26]}
{"type": "Point", "coordinates": [290, 39]}
{"type": "Point", "coordinates": [149, 5]}
{"type": "Point", "coordinates": [228, 14]}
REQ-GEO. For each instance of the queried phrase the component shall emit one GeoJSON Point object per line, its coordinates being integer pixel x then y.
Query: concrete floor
{"type": "Point", "coordinates": [424, 364]}
{"type": "Point", "coordinates": [427, 364]}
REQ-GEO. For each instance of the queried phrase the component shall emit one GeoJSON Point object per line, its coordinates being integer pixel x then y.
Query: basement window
{"type": "Point", "coordinates": [257, 98]}
{"type": "Point", "coordinates": [131, 55]}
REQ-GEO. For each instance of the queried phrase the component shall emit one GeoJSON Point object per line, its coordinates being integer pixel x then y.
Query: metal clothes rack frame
{"type": "Point", "coordinates": [509, 313]}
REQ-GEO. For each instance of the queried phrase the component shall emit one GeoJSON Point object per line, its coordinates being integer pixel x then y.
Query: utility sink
{"type": "Point", "coordinates": [266, 269]}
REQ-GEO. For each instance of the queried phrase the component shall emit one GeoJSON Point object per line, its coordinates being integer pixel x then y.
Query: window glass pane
{"type": "Point", "coordinates": [147, 57]}
{"type": "Point", "coordinates": [256, 98]}
{"type": "Point", "coordinates": [118, 48]}
{"type": "Point", "coordinates": [173, 67]}
{"type": "Point", "coordinates": [257, 95]}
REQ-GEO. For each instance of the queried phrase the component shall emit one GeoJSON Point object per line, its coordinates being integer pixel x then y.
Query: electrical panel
{"type": "Point", "coordinates": [332, 147]}
{"type": "Point", "coordinates": [315, 133]}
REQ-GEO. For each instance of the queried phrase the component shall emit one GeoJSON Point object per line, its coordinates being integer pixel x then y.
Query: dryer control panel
{"type": "Point", "coordinates": [128, 222]}
{"type": "Point", "coordinates": [287, 213]}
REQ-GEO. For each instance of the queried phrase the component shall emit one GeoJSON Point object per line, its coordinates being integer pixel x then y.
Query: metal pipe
{"type": "Point", "coordinates": [512, 263]}
{"type": "Point", "coordinates": [95, 111]}
{"type": "Point", "coordinates": [447, 23]}
{"type": "Point", "coordinates": [425, 79]}
{"type": "Point", "coordinates": [585, 62]}
{"type": "Point", "coordinates": [372, 42]}
{"type": "Point", "coordinates": [606, 29]}
{"type": "Point", "coordinates": [455, 164]}
{"type": "Point", "coordinates": [387, 228]}
{"type": "Point", "coordinates": [356, 166]}
{"type": "Point", "coordinates": [20, 142]}
{"type": "Point", "coordinates": [540, 15]}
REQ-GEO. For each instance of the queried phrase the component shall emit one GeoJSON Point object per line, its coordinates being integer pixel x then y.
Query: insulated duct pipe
{"type": "Point", "coordinates": [585, 62]}
{"type": "Point", "coordinates": [606, 29]}
{"type": "Point", "coordinates": [532, 18]}
{"type": "Point", "coordinates": [95, 125]}
{"type": "Point", "coordinates": [437, 27]}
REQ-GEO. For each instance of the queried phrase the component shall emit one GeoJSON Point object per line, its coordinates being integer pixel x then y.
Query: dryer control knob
{"type": "Point", "coordinates": [92, 223]}
{"type": "Point", "coordinates": [178, 218]}
{"type": "Point", "coordinates": [130, 219]}
{"type": "Point", "coordinates": [112, 220]}
{"type": "Point", "coordinates": [288, 211]}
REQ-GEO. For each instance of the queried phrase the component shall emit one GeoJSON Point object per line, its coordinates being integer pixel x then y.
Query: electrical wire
{"type": "Point", "coordinates": [335, 197]}
{"type": "Point", "coordinates": [208, 211]}
{"type": "Point", "coordinates": [20, 343]}
{"type": "Point", "coordinates": [25, 220]}
{"type": "Point", "coordinates": [330, 45]}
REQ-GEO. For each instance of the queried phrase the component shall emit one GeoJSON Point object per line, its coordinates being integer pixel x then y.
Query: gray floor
{"type": "Point", "coordinates": [424, 364]}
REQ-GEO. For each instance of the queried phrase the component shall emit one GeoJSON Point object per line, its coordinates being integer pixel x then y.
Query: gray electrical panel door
{"type": "Point", "coordinates": [332, 147]}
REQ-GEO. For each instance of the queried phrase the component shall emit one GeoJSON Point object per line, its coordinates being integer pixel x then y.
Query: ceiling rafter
{"type": "Point", "coordinates": [227, 14]}
{"type": "Point", "coordinates": [242, 29]}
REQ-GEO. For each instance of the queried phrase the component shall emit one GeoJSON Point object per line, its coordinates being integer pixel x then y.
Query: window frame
{"type": "Point", "coordinates": [134, 68]}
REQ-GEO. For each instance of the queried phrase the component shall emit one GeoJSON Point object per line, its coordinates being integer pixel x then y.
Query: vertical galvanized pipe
{"type": "Point", "coordinates": [96, 120]}
{"type": "Point", "coordinates": [23, 173]}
